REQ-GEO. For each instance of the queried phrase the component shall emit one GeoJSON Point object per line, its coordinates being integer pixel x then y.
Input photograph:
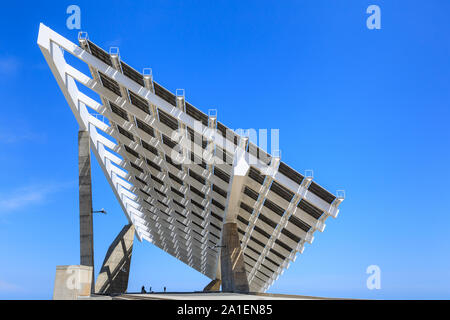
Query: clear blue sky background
{"type": "Point", "coordinates": [368, 110]}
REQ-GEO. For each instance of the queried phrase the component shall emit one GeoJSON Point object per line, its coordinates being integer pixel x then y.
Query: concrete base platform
{"type": "Point", "coordinates": [72, 282]}
{"type": "Point", "coordinates": [213, 296]}
{"type": "Point", "coordinates": [96, 297]}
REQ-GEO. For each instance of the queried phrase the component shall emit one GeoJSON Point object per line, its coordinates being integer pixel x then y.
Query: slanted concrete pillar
{"type": "Point", "coordinates": [85, 197]}
{"type": "Point", "coordinates": [234, 276]}
{"type": "Point", "coordinates": [214, 285]}
{"type": "Point", "coordinates": [113, 277]}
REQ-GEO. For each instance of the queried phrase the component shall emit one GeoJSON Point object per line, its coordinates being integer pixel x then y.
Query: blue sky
{"type": "Point", "coordinates": [367, 110]}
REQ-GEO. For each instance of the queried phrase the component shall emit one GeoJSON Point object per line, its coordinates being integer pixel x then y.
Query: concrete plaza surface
{"type": "Point", "coordinates": [206, 296]}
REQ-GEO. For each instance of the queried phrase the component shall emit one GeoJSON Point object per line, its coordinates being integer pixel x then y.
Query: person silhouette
{"type": "Point", "coordinates": [143, 289]}
{"type": "Point", "coordinates": [164, 289]}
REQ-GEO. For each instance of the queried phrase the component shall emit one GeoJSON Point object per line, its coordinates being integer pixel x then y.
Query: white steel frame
{"type": "Point", "coordinates": [191, 239]}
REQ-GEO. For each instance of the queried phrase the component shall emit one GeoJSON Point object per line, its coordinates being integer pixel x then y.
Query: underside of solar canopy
{"type": "Point", "coordinates": [181, 205]}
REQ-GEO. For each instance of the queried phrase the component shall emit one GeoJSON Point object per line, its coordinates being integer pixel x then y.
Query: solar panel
{"type": "Point", "coordinates": [139, 102]}
{"type": "Point", "coordinates": [168, 120]}
{"type": "Point", "coordinates": [145, 127]}
{"type": "Point", "coordinates": [164, 94]}
{"type": "Point", "coordinates": [119, 111]}
{"type": "Point", "coordinates": [251, 193]}
{"type": "Point", "coordinates": [149, 147]}
{"type": "Point", "coordinates": [290, 173]}
{"type": "Point", "coordinates": [256, 175]}
{"type": "Point", "coordinates": [310, 209]}
{"type": "Point", "coordinates": [125, 133]}
{"type": "Point", "coordinates": [321, 192]}
{"type": "Point", "coordinates": [110, 84]}
{"type": "Point", "coordinates": [180, 207]}
{"type": "Point", "coordinates": [132, 74]}
{"type": "Point", "coordinates": [196, 114]}
{"type": "Point", "coordinates": [258, 153]}
{"type": "Point", "coordinates": [132, 152]}
{"type": "Point", "coordinates": [99, 53]}
{"type": "Point", "coordinates": [283, 192]}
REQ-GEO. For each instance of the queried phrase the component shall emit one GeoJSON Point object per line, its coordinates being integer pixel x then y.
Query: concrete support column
{"type": "Point", "coordinates": [85, 198]}
{"type": "Point", "coordinates": [233, 274]}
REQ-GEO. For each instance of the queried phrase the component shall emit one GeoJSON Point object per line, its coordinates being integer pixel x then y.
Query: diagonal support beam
{"type": "Point", "coordinates": [113, 277]}
{"type": "Point", "coordinates": [214, 285]}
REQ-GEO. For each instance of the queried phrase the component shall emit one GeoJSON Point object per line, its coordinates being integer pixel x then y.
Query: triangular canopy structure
{"type": "Point", "coordinates": [140, 133]}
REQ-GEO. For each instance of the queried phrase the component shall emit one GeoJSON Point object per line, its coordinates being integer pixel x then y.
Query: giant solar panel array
{"type": "Point", "coordinates": [181, 208]}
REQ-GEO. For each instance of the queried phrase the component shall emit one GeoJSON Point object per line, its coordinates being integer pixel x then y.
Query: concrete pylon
{"type": "Point", "coordinates": [85, 198]}
{"type": "Point", "coordinates": [113, 277]}
{"type": "Point", "coordinates": [232, 267]}
{"type": "Point", "coordinates": [233, 274]}
{"type": "Point", "coordinates": [214, 285]}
